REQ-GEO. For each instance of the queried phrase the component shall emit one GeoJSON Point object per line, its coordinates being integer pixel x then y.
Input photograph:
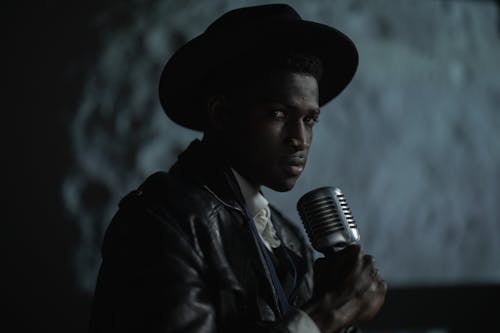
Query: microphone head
{"type": "Point", "coordinates": [327, 219]}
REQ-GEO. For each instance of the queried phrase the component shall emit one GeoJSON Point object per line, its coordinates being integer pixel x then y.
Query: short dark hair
{"type": "Point", "coordinates": [238, 74]}
{"type": "Point", "coordinates": [301, 63]}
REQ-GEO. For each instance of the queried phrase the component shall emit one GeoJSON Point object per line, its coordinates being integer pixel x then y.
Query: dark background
{"type": "Point", "coordinates": [42, 39]}
{"type": "Point", "coordinates": [49, 46]}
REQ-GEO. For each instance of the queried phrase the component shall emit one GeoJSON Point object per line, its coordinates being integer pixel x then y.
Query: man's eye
{"type": "Point", "coordinates": [278, 114]}
{"type": "Point", "coordinates": [311, 120]}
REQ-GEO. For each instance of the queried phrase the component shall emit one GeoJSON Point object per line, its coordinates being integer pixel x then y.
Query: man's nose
{"type": "Point", "coordinates": [297, 135]}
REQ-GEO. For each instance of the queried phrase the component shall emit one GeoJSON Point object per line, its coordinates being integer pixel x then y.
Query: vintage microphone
{"type": "Point", "coordinates": [327, 220]}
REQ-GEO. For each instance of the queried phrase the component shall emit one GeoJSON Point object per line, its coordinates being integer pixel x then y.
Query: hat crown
{"type": "Point", "coordinates": [238, 35]}
{"type": "Point", "coordinates": [243, 17]}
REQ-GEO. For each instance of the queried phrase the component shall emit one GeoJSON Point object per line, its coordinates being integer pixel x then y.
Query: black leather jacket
{"type": "Point", "coordinates": [179, 257]}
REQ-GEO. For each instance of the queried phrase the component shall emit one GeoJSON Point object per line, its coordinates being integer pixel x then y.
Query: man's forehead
{"type": "Point", "coordinates": [284, 87]}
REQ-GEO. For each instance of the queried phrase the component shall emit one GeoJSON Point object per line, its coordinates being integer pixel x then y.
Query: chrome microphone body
{"type": "Point", "coordinates": [327, 219]}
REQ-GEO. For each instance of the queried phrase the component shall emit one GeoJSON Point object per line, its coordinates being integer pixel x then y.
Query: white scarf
{"type": "Point", "coordinates": [259, 208]}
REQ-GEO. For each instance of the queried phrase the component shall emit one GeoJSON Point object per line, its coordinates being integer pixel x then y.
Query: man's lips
{"type": "Point", "coordinates": [294, 164]}
{"type": "Point", "coordinates": [295, 160]}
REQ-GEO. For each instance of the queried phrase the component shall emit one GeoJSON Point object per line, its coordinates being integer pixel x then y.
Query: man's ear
{"type": "Point", "coordinates": [218, 111]}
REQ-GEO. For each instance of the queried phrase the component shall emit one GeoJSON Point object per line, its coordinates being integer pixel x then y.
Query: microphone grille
{"type": "Point", "coordinates": [327, 219]}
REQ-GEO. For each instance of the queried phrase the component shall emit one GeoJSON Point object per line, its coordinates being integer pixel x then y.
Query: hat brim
{"type": "Point", "coordinates": [182, 80]}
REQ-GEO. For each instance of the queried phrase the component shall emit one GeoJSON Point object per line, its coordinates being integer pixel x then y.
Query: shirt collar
{"type": "Point", "coordinates": [254, 200]}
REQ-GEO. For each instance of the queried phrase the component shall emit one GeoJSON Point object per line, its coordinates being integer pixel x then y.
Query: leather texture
{"type": "Point", "coordinates": [179, 256]}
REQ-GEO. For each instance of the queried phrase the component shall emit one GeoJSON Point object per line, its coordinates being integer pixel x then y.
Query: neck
{"type": "Point", "coordinates": [222, 146]}
{"type": "Point", "coordinates": [249, 188]}
{"type": "Point", "coordinates": [254, 200]}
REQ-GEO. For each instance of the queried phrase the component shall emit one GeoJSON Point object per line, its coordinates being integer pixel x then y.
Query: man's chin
{"type": "Point", "coordinates": [283, 186]}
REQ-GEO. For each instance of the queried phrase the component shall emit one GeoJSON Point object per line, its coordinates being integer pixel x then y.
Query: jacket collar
{"type": "Point", "coordinates": [207, 166]}
{"type": "Point", "coordinates": [253, 197]}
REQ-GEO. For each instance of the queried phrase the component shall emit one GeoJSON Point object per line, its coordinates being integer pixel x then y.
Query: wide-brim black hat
{"type": "Point", "coordinates": [245, 31]}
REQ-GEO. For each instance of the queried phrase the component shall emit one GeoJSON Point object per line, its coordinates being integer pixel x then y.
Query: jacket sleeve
{"type": "Point", "coordinates": [152, 279]}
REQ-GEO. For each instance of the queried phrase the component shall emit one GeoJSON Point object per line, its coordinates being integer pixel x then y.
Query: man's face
{"type": "Point", "coordinates": [271, 129]}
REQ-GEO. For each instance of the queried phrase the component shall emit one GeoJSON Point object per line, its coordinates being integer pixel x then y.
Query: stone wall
{"type": "Point", "coordinates": [413, 142]}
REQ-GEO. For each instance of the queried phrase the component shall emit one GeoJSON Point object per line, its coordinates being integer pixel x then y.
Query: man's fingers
{"type": "Point", "coordinates": [368, 260]}
{"type": "Point", "coordinates": [352, 250]}
{"type": "Point", "coordinates": [342, 263]}
{"type": "Point", "coordinates": [359, 309]}
{"type": "Point", "coordinates": [372, 300]}
{"type": "Point", "coordinates": [366, 277]}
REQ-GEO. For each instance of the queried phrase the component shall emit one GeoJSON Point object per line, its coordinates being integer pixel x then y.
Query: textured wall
{"type": "Point", "coordinates": [413, 141]}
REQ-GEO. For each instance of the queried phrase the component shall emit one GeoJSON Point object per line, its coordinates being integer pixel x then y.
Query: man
{"type": "Point", "coordinates": [199, 249]}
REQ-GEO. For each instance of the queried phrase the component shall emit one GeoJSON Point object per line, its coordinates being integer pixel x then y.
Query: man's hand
{"type": "Point", "coordinates": [348, 290]}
